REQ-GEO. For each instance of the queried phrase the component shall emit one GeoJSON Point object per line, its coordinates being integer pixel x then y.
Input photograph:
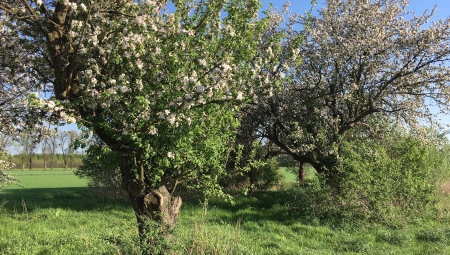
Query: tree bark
{"type": "Point", "coordinates": [253, 181]}
{"type": "Point", "coordinates": [301, 172]}
{"type": "Point", "coordinates": [156, 211]}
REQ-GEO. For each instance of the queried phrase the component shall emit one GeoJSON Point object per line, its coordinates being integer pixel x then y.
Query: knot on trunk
{"type": "Point", "coordinates": [134, 188]}
{"type": "Point", "coordinates": [162, 206]}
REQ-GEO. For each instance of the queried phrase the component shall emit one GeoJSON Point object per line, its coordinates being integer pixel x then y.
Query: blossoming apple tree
{"type": "Point", "coordinates": [360, 59]}
{"type": "Point", "coordinates": [160, 83]}
{"type": "Point", "coordinates": [14, 89]}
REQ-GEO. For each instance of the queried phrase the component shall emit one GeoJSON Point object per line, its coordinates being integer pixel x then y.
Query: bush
{"type": "Point", "coordinates": [388, 180]}
{"type": "Point", "coordinates": [379, 180]}
{"type": "Point", "coordinates": [285, 160]}
{"type": "Point", "coordinates": [102, 171]}
{"type": "Point", "coordinates": [252, 172]}
{"type": "Point", "coordinates": [265, 175]}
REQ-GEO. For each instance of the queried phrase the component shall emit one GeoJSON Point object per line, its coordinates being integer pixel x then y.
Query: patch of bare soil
{"type": "Point", "coordinates": [445, 189]}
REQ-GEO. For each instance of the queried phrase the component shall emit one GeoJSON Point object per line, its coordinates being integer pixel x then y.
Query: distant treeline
{"type": "Point", "coordinates": [41, 161]}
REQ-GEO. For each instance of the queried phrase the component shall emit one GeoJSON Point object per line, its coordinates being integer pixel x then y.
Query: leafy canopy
{"type": "Point", "coordinates": [160, 83]}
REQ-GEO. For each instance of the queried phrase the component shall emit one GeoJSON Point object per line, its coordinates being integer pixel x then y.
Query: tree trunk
{"type": "Point", "coordinates": [301, 172]}
{"type": "Point", "coordinates": [156, 211]}
{"type": "Point", "coordinates": [253, 179]}
{"type": "Point", "coordinates": [52, 160]}
{"type": "Point", "coordinates": [329, 167]}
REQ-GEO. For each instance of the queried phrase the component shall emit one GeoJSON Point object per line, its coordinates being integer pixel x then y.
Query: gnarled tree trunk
{"type": "Point", "coordinates": [156, 210]}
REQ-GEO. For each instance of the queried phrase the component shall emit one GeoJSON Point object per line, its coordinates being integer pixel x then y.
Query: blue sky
{"type": "Point", "coordinates": [419, 6]}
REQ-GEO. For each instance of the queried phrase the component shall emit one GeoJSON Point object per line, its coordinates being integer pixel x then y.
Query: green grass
{"type": "Point", "coordinates": [46, 179]}
{"type": "Point", "coordinates": [54, 213]}
{"type": "Point", "coordinates": [68, 220]}
{"type": "Point", "coordinates": [259, 225]}
{"type": "Point", "coordinates": [291, 177]}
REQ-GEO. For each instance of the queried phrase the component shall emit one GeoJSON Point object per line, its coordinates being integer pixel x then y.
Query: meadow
{"type": "Point", "coordinates": [55, 213]}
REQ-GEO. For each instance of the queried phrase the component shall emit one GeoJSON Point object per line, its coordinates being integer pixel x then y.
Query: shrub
{"type": "Point", "coordinates": [102, 171]}
{"type": "Point", "coordinates": [286, 160]}
{"type": "Point", "coordinates": [253, 171]}
{"type": "Point", "coordinates": [385, 180]}
{"type": "Point", "coordinates": [266, 174]}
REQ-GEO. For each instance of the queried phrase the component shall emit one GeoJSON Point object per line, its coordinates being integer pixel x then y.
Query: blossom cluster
{"type": "Point", "coordinates": [5, 164]}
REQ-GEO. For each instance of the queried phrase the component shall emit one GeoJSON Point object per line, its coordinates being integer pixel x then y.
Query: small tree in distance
{"type": "Point", "coordinates": [46, 145]}
{"type": "Point", "coordinates": [64, 145]}
{"type": "Point", "coordinates": [73, 138]}
{"type": "Point", "coordinates": [52, 144]}
{"type": "Point", "coordinates": [29, 142]}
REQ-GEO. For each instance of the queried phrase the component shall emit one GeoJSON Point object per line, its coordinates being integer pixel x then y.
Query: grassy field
{"type": "Point", "coordinates": [55, 214]}
{"type": "Point", "coordinates": [291, 177]}
{"type": "Point", "coordinates": [39, 178]}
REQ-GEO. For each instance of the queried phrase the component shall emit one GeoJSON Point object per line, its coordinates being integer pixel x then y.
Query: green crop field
{"type": "Point", "coordinates": [58, 178]}
{"type": "Point", "coordinates": [56, 214]}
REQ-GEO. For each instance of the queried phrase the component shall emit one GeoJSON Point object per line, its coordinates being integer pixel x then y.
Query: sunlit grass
{"type": "Point", "coordinates": [290, 176]}
{"type": "Point", "coordinates": [67, 220]}
{"type": "Point", "coordinates": [46, 179]}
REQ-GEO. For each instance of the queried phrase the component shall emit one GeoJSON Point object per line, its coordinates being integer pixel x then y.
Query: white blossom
{"type": "Point", "coordinates": [124, 89]}
{"type": "Point", "coordinates": [153, 130]}
{"type": "Point", "coordinates": [83, 7]}
{"type": "Point", "coordinates": [239, 95]}
{"type": "Point", "coordinates": [171, 118]}
{"type": "Point", "coordinates": [200, 89]}
{"type": "Point", "coordinates": [51, 104]}
{"type": "Point", "coordinates": [202, 62]}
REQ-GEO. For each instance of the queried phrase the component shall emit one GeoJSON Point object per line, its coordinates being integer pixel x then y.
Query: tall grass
{"type": "Point", "coordinates": [59, 220]}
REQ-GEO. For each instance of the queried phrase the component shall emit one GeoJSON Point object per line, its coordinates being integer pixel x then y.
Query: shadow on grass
{"type": "Point", "coordinates": [277, 206]}
{"type": "Point", "coordinates": [74, 198]}
{"type": "Point", "coordinates": [273, 206]}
